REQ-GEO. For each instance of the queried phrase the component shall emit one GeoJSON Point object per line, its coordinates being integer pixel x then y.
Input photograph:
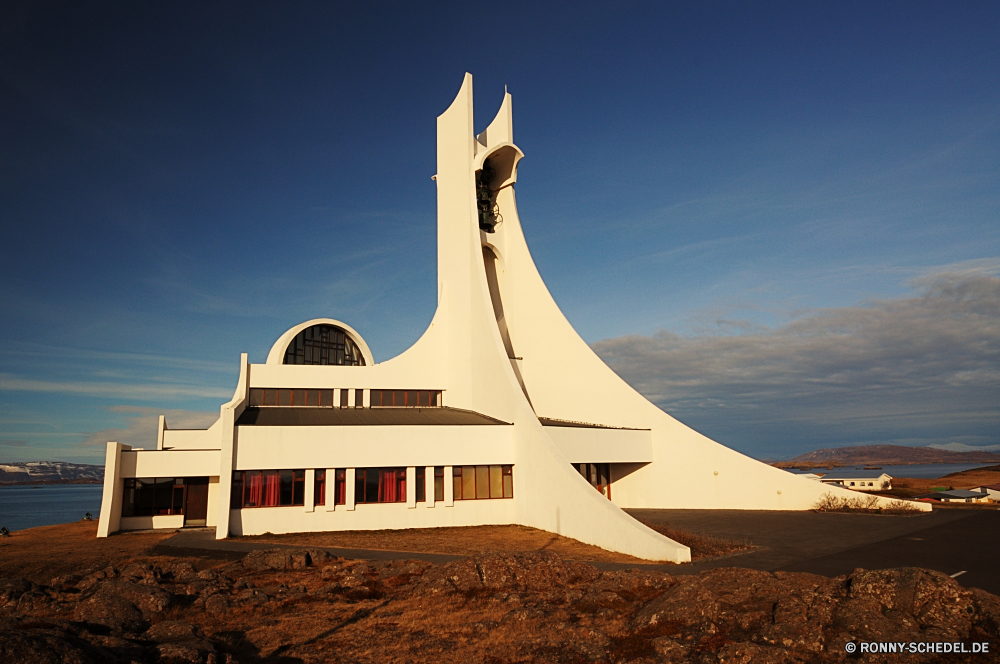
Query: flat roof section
{"type": "Point", "coordinates": [550, 422]}
{"type": "Point", "coordinates": [290, 416]}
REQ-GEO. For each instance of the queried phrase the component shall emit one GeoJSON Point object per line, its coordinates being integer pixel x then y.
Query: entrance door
{"type": "Point", "coordinates": [196, 505]}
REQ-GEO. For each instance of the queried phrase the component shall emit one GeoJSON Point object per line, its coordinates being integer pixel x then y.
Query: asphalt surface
{"type": "Point", "coordinates": [946, 540]}
{"type": "Point", "coordinates": [952, 541]}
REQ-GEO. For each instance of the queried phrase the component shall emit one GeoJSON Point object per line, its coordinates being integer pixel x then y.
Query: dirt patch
{"type": "Point", "coordinates": [39, 554]}
{"type": "Point", "coordinates": [463, 541]}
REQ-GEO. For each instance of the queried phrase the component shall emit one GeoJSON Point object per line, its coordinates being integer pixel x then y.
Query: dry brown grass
{"type": "Point", "coordinates": [461, 541]}
{"type": "Point", "coordinates": [39, 554]}
{"type": "Point", "coordinates": [867, 504]}
{"type": "Point", "coordinates": [701, 545]}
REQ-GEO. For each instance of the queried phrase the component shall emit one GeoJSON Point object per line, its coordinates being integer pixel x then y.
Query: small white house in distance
{"type": "Point", "coordinates": [499, 413]}
{"type": "Point", "coordinates": [992, 491]}
{"type": "Point", "coordinates": [956, 496]}
{"type": "Point", "coordinates": [859, 480]}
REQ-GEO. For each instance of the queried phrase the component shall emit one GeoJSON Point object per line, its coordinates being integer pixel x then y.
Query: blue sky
{"type": "Point", "coordinates": [732, 203]}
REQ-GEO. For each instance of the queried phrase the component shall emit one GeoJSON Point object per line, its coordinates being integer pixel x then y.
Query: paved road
{"type": "Point", "coordinates": [949, 541]}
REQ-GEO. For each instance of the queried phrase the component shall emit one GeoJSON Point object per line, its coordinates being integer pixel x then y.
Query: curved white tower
{"type": "Point", "coordinates": [499, 414]}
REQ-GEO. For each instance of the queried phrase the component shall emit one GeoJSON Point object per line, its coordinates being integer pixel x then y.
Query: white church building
{"type": "Point", "coordinates": [499, 414]}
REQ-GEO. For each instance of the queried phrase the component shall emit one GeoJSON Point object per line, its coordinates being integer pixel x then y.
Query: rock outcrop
{"type": "Point", "coordinates": [304, 606]}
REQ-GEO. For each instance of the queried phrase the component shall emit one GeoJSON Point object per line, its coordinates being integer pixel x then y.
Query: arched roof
{"type": "Point", "coordinates": [277, 353]}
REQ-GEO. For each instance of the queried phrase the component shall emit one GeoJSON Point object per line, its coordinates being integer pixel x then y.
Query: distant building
{"type": "Point", "coordinates": [859, 480]}
{"type": "Point", "coordinates": [956, 496]}
{"type": "Point", "coordinates": [992, 491]}
{"type": "Point", "coordinates": [809, 476]}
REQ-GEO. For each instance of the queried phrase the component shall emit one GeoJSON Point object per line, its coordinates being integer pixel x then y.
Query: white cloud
{"type": "Point", "coordinates": [925, 369]}
{"type": "Point", "coordinates": [130, 391]}
{"type": "Point", "coordinates": [142, 423]}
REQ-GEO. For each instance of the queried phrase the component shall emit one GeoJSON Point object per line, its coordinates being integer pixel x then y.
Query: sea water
{"type": "Point", "coordinates": [921, 470]}
{"type": "Point", "coordinates": [29, 505]}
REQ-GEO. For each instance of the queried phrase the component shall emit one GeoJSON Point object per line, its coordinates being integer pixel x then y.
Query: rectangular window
{"type": "Point", "coordinates": [298, 487]}
{"type": "Point", "coordinates": [359, 398]}
{"type": "Point", "coordinates": [340, 486]}
{"type": "Point", "coordinates": [153, 496]}
{"type": "Point", "coordinates": [598, 474]}
{"type": "Point", "coordinates": [319, 487]}
{"type": "Point", "coordinates": [380, 485]}
{"type": "Point", "coordinates": [177, 504]}
{"type": "Point", "coordinates": [468, 483]}
{"type": "Point", "coordinates": [343, 397]}
{"type": "Point", "coordinates": [480, 482]}
{"type": "Point", "coordinates": [405, 398]}
{"type": "Point", "coordinates": [438, 483]}
{"type": "Point", "coordinates": [269, 488]}
{"type": "Point", "coordinates": [421, 484]}
{"type": "Point", "coordinates": [285, 484]}
{"type": "Point", "coordinates": [268, 396]}
{"type": "Point", "coordinates": [496, 482]}
{"type": "Point", "coordinates": [236, 494]}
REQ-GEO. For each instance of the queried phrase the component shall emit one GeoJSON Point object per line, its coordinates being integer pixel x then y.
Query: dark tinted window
{"type": "Point", "coordinates": [323, 344]}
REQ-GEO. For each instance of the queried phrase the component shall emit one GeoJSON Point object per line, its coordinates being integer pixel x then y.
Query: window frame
{"type": "Point", "coordinates": [273, 485]}
{"type": "Point", "coordinates": [466, 486]}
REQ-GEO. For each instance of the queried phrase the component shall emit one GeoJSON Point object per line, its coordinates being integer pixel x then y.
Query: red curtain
{"type": "Point", "coordinates": [392, 486]}
{"type": "Point", "coordinates": [253, 490]}
{"type": "Point", "coordinates": [341, 487]}
{"type": "Point", "coordinates": [271, 489]}
{"type": "Point", "coordinates": [319, 493]}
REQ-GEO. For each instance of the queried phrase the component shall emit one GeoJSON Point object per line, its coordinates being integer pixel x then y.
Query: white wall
{"type": "Point", "coordinates": [193, 439]}
{"type": "Point", "coordinates": [378, 516]}
{"type": "Point", "coordinates": [170, 463]}
{"type": "Point", "coordinates": [267, 448]}
{"type": "Point", "coordinates": [212, 517]}
{"type": "Point", "coordinates": [111, 498]}
{"type": "Point", "coordinates": [151, 522]}
{"type": "Point", "coordinates": [602, 445]}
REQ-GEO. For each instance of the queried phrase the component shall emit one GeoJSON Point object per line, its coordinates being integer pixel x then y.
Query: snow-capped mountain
{"type": "Point", "coordinates": [48, 471]}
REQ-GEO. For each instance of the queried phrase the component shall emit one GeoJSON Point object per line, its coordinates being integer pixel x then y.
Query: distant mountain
{"type": "Point", "coordinates": [20, 472]}
{"type": "Point", "coordinates": [962, 447]}
{"type": "Point", "coordinates": [896, 455]}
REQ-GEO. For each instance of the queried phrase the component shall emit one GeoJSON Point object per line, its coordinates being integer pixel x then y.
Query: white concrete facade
{"type": "Point", "coordinates": [519, 390]}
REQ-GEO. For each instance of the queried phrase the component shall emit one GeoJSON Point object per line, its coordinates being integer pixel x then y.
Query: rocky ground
{"type": "Point", "coordinates": [303, 606]}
